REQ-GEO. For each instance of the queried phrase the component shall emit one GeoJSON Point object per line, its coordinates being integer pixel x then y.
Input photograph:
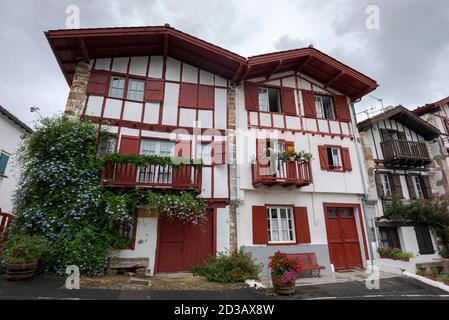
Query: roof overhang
{"type": "Point", "coordinates": [405, 117]}
{"type": "Point", "coordinates": [431, 107]}
{"type": "Point", "coordinates": [315, 64]}
{"type": "Point", "coordinates": [15, 120]}
{"type": "Point", "coordinates": [71, 46]}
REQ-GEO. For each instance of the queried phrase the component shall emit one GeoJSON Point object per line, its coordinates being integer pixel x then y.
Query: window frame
{"type": "Point", "coordinates": [109, 136]}
{"type": "Point", "coordinates": [157, 150]}
{"type": "Point", "coordinates": [129, 90]}
{"type": "Point", "coordinates": [111, 87]}
{"type": "Point", "coordinates": [289, 212]}
{"type": "Point", "coordinates": [322, 115]}
{"type": "Point", "coordinates": [420, 193]}
{"type": "Point", "coordinates": [7, 156]}
{"type": "Point", "coordinates": [279, 101]}
{"type": "Point", "coordinates": [333, 167]}
{"type": "Point", "coordinates": [388, 181]}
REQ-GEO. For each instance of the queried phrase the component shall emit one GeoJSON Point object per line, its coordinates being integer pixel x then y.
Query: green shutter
{"type": "Point", "coordinates": [3, 163]}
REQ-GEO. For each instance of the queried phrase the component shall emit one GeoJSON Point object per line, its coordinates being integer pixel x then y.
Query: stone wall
{"type": "Point", "coordinates": [233, 169]}
{"type": "Point", "coordinates": [77, 94]}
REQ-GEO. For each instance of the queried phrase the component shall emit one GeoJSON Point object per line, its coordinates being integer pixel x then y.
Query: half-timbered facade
{"type": "Point", "coordinates": [157, 90]}
{"type": "Point", "coordinates": [301, 100]}
{"type": "Point", "coordinates": [400, 158]}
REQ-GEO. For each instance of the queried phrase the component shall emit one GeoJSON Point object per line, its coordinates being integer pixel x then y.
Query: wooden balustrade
{"type": "Point", "coordinates": [284, 172]}
{"type": "Point", "coordinates": [403, 152]}
{"type": "Point", "coordinates": [157, 176]}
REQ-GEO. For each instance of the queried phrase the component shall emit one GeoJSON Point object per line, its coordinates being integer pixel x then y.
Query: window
{"type": "Point", "coordinates": [127, 231]}
{"type": "Point", "coordinates": [135, 89]}
{"type": "Point", "coordinates": [117, 87]}
{"type": "Point", "coordinates": [276, 146]}
{"type": "Point", "coordinates": [106, 145]}
{"type": "Point", "coordinates": [4, 158]}
{"type": "Point", "coordinates": [156, 174]}
{"type": "Point", "coordinates": [386, 185]}
{"type": "Point", "coordinates": [269, 100]}
{"type": "Point", "coordinates": [157, 147]}
{"type": "Point", "coordinates": [389, 237]}
{"type": "Point", "coordinates": [334, 158]}
{"type": "Point", "coordinates": [417, 185]}
{"type": "Point", "coordinates": [324, 107]}
{"type": "Point", "coordinates": [280, 225]}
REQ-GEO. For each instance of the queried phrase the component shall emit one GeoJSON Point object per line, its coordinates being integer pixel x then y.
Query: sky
{"type": "Point", "coordinates": [404, 46]}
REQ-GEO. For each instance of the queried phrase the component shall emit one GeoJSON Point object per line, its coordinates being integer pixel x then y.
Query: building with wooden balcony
{"type": "Point", "coordinates": [401, 153]}
{"type": "Point", "coordinates": [157, 91]}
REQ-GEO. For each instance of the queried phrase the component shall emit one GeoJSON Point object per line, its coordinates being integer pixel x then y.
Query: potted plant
{"type": "Point", "coordinates": [23, 253]}
{"type": "Point", "coordinates": [405, 256]}
{"type": "Point", "coordinates": [283, 273]}
{"type": "Point", "coordinates": [381, 252]}
{"type": "Point", "coordinates": [445, 279]}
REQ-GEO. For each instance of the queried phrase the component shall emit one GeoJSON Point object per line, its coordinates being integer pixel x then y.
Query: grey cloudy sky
{"type": "Point", "coordinates": [408, 55]}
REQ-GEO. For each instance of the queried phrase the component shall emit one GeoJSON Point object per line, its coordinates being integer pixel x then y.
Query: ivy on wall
{"type": "Point", "coordinates": [59, 197]}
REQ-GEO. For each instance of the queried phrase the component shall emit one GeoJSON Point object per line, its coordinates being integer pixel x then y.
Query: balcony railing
{"type": "Point", "coordinates": [283, 172]}
{"type": "Point", "coordinates": [157, 176]}
{"type": "Point", "coordinates": [407, 153]}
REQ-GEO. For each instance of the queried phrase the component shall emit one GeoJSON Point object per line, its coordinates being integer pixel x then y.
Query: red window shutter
{"type": "Point", "coordinates": [309, 104]}
{"type": "Point", "coordinates": [206, 97]}
{"type": "Point", "coordinates": [323, 158]}
{"type": "Point", "coordinates": [219, 152]}
{"type": "Point", "coordinates": [251, 97]}
{"type": "Point", "coordinates": [260, 226]}
{"type": "Point", "coordinates": [341, 104]}
{"type": "Point", "coordinates": [98, 83]}
{"type": "Point", "coordinates": [182, 149]}
{"type": "Point", "coordinates": [188, 95]}
{"type": "Point", "coordinates": [126, 174]}
{"type": "Point", "coordinates": [130, 145]}
{"type": "Point", "coordinates": [154, 90]}
{"type": "Point", "coordinates": [302, 225]}
{"type": "Point", "coordinates": [288, 102]}
{"type": "Point", "coordinates": [346, 159]}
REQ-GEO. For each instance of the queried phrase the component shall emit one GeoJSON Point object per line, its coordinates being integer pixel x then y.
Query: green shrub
{"type": "Point", "coordinates": [23, 248]}
{"type": "Point", "coordinates": [229, 268]}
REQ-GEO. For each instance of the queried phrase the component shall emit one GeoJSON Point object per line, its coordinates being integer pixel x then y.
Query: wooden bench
{"type": "Point", "coordinates": [5, 222]}
{"type": "Point", "coordinates": [308, 262]}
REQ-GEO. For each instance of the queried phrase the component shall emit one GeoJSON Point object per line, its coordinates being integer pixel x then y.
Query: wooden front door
{"type": "Point", "coordinates": [183, 246]}
{"type": "Point", "coordinates": [342, 237]}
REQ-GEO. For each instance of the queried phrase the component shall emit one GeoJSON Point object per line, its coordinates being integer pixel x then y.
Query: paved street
{"type": "Point", "coordinates": [49, 288]}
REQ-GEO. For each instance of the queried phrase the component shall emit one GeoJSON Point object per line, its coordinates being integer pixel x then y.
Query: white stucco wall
{"type": "Point", "coordinates": [10, 141]}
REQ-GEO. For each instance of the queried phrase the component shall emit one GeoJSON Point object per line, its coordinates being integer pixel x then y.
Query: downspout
{"type": "Point", "coordinates": [364, 178]}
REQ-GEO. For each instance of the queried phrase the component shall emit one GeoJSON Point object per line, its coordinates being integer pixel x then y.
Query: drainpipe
{"type": "Point", "coordinates": [364, 179]}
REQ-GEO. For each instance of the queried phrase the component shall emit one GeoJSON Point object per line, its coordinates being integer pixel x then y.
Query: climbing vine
{"type": "Point", "coordinates": [434, 213]}
{"type": "Point", "coordinates": [59, 197]}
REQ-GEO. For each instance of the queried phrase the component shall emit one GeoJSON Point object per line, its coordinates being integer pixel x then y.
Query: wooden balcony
{"type": "Point", "coordinates": [405, 153]}
{"type": "Point", "coordinates": [186, 177]}
{"type": "Point", "coordinates": [284, 173]}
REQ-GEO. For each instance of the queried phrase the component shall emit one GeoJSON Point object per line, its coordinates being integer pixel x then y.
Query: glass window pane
{"type": "Point", "coordinates": [117, 87]}
{"type": "Point", "coordinates": [263, 99]}
{"type": "Point", "coordinates": [332, 213]}
{"type": "Point", "coordinates": [135, 90]}
{"type": "Point", "coordinates": [273, 96]}
{"type": "Point", "coordinates": [346, 213]}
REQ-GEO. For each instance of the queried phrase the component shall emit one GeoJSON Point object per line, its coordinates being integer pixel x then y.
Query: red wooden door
{"type": "Point", "coordinates": [182, 246]}
{"type": "Point", "coordinates": [343, 240]}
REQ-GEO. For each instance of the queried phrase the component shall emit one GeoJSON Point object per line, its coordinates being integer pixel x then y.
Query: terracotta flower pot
{"type": "Point", "coordinates": [280, 287]}
{"type": "Point", "coordinates": [446, 282]}
{"type": "Point", "coordinates": [395, 258]}
{"type": "Point", "coordinates": [21, 271]}
{"type": "Point", "coordinates": [383, 256]}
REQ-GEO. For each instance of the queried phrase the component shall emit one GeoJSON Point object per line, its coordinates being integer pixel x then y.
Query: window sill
{"type": "Point", "coordinates": [280, 244]}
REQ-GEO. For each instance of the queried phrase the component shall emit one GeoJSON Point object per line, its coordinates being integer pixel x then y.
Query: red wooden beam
{"type": "Point", "coordinates": [165, 46]}
{"type": "Point", "coordinates": [334, 79]}
{"type": "Point", "coordinates": [276, 68]}
{"type": "Point", "coordinates": [237, 73]}
{"type": "Point", "coordinates": [303, 64]}
{"type": "Point", "coordinates": [84, 51]}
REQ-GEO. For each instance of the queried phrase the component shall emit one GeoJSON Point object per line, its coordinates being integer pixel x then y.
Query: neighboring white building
{"type": "Point", "coordinates": [12, 131]}
{"type": "Point", "coordinates": [402, 155]}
